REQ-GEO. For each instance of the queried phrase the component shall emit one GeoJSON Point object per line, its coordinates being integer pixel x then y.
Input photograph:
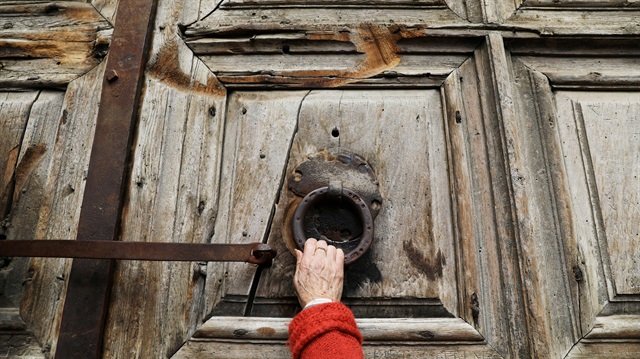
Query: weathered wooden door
{"type": "Point", "coordinates": [505, 136]}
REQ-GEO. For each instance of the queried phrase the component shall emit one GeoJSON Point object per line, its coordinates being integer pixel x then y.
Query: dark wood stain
{"type": "Point", "coordinates": [420, 261]}
{"type": "Point", "coordinates": [32, 156]}
{"type": "Point", "coordinates": [266, 331]}
{"type": "Point", "coordinates": [165, 67]}
{"type": "Point", "coordinates": [364, 269]}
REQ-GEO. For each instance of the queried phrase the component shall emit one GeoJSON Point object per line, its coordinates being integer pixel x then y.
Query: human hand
{"type": "Point", "coordinates": [319, 272]}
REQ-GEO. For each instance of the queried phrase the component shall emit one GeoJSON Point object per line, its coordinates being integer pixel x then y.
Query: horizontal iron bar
{"type": "Point", "coordinates": [256, 253]}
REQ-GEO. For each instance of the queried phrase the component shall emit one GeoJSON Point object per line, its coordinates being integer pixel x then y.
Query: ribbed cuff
{"type": "Point", "coordinates": [318, 320]}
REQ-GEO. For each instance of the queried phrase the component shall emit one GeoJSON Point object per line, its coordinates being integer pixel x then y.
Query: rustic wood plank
{"type": "Point", "coordinates": [244, 349]}
{"type": "Point", "coordinates": [172, 197]}
{"type": "Point", "coordinates": [49, 44]}
{"type": "Point", "coordinates": [378, 329]}
{"type": "Point", "coordinates": [615, 327]}
{"type": "Point", "coordinates": [106, 8]}
{"type": "Point", "coordinates": [245, 20]}
{"type": "Point", "coordinates": [594, 291]}
{"type": "Point", "coordinates": [600, 22]}
{"type": "Point", "coordinates": [258, 134]}
{"type": "Point", "coordinates": [34, 164]}
{"type": "Point", "coordinates": [588, 72]}
{"type": "Point", "coordinates": [14, 111]}
{"type": "Point", "coordinates": [236, 337]}
{"type": "Point", "coordinates": [384, 127]}
{"type": "Point", "coordinates": [483, 208]}
{"type": "Point", "coordinates": [569, 47]}
{"type": "Point", "coordinates": [67, 157]}
{"type": "Point", "coordinates": [597, 349]}
{"type": "Point", "coordinates": [543, 235]}
{"type": "Point", "coordinates": [552, 323]}
{"type": "Point", "coordinates": [29, 198]}
{"type": "Point", "coordinates": [582, 3]}
{"type": "Point", "coordinates": [347, 57]}
{"type": "Point", "coordinates": [466, 9]}
{"type": "Point", "coordinates": [175, 178]}
{"type": "Point", "coordinates": [592, 130]}
{"type": "Point", "coordinates": [612, 127]}
{"type": "Point", "coordinates": [255, 4]}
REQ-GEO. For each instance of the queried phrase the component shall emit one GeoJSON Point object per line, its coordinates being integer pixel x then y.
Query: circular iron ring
{"type": "Point", "coordinates": [354, 200]}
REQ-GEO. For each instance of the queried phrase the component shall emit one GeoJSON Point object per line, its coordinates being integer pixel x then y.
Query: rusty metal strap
{"type": "Point", "coordinates": [256, 253]}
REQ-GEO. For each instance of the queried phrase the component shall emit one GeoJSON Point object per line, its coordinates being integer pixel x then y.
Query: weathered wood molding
{"type": "Point", "coordinates": [46, 44]}
{"type": "Point", "coordinates": [372, 329]}
{"type": "Point", "coordinates": [576, 142]}
{"type": "Point", "coordinates": [49, 180]}
{"type": "Point", "coordinates": [477, 11]}
{"type": "Point", "coordinates": [269, 19]}
{"type": "Point", "coordinates": [616, 327]}
{"type": "Point", "coordinates": [254, 4]}
{"type": "Point", "coordinates": [362, 55]}
{"type": "Point", "coordinates": [574, 21]}
{"type": "Point", "coordinates": [616, 336]}
{"type": "Point", "coordinates": [236, 337]}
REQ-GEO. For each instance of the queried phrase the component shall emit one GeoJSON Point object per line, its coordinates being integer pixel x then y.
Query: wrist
{"type": "Point", "coordinates": [317, 301]}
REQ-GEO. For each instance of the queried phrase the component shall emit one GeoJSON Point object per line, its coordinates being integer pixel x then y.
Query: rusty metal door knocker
{"type": "Point", "coordinates": [340, 200]}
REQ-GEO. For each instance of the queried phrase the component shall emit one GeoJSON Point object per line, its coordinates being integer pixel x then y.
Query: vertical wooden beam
{"type": "Point", "coordinates": [87, 295]}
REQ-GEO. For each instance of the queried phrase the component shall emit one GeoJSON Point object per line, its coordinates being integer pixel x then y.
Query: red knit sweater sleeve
{"type": "Point", "coordinates": [325, 331]}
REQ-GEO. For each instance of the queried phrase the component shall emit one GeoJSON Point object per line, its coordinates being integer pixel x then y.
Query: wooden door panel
{"type": "Point", "coordinates": [258, 133]}
{"type": "Point", "coordinates": [173, 197]}
{"type": "Point", "coordinates": [232, 337]}
{"type": "Point", "coordinates": [49, 157]}
{"type": "Point", "coordinates": [578, 125]}
{"type": "Point", "coordinates": [400, 133]}
{"type": "Point", "coordinates": [600, 134]}
{"type": "Point", "coordinates": [524, 241]}
{"type": "Point", "coordinates": [409, 139]}
{"type": "Point", "coordinates": [354, 56]}
{"type": "Point", "coordinates": [45, 45]}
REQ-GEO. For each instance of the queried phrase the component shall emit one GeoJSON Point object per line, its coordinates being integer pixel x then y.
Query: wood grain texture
{"type": "Point", "coordinates": [15, 108]}
{"type": "Point", "coordinates": [582, 3]}
{"type": "Point", "coordinates": [49, 44]}
{"type": "Point", "coordinates": [373, 330]}
{"type": "Point", "coordinates": [29, 201]}
{"type": "Point", "coordinates": [612, 131]}
{"type": "Point", "coordinates": [63, 125]}
{"type": "Point", "coordinates": [34, 164]}
{"type": "Point", "coordinates": [258, 133]}
{"type": "Point", "coordinates": [232, 350]}
{"type": "Point", "coordinates": [615, 327]}
{"type": "Point", "coordinates": [15, 338]}
{"type": "Point", "coordinates": [106, 8]}
{"type": "Point", "coordinates": [545, 271]}
{"type": "Point", "coordinates": [592, 216]}
{"type": "Point", "coordinates": [363, 54]}
{"type": "Point", "coordinates": [586, 72]}
{"type": "Point", "coordinates": [466, 9]}
{"type": "Point", "coordinates": [571, 21]}
{"type": "Point", "coordinates": [589, 129]}
{"type": "Point", "coordinates": [400, 134]}
{"type": "Point", "coordinates": [16, 341]}
{"type": "Point", "coordinates": [243, 20]}
{"type": "Point", "coordinates": [233, 337]}
{"type": "Point", "coordinates": [586, 350]}
{"type": "Point", "coordinates": [333, 3]}
{"type": "Point", "coordinates": [173, 195]}
{"type": "Point", "coordinates": [490, 285]}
